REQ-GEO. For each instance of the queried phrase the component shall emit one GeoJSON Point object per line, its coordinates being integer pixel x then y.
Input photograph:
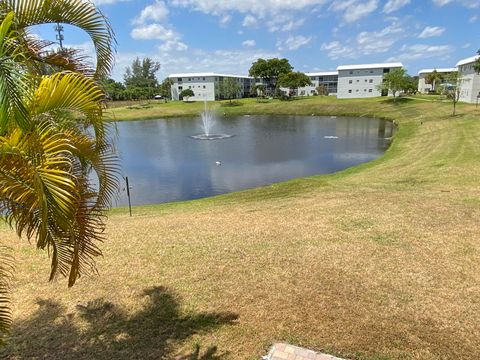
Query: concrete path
{"type": "Point", "coordinates": [283, 351]}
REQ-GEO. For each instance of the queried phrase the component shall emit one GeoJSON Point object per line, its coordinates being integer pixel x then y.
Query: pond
{"type": "Point", "coordinates": [164, 163]}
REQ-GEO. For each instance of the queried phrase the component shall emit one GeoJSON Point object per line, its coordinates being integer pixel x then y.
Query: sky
{"type": "Point", "coordinates": [227, 36]}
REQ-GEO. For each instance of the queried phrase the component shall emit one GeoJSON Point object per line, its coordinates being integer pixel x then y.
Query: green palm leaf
{"type": "Point", "coordinates": [82, 14]}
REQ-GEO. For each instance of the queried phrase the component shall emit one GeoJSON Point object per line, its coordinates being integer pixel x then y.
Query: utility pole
{"type": "Point", "coordinates": [59, 29]}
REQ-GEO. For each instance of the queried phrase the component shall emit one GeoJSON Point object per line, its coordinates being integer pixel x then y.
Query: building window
{"type": "Point", "coordinates": [179, 79]}
{"type": "Point", "coordinates": [349, 91]}
{"type": "Point", "coordinates": [365, 80]}
{"type": "Point", "coordinates": [364, 90]}
{"type": "Point", "coordinates": [370, 81]}
{"type": "Point", "coordinates": [371, 71]}
{"type": "Point", "coordinates": [358, 81]}
{"type": "Point", "coordinates": [203, 79]}
{"type": "Point", "coordinates": [204, 87]}
{"type": "Point", "coordinates": [189, 79]}
{"type": "Point", "coordinates": [369, 90]}
{"type": "Point", "coordinates": [180, 88]}
{"type": "Point", "coordinates": [356, 90]}
{"type": "Point", "coordinates": [350, 72]}
{"type": "Point", "coordinates": [350, 81]}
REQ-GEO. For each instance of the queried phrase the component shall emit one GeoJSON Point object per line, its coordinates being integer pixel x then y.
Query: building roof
{"type": "Point", "coordinates": [370, 66]}
{"type": "Point", "coordinates": [324, 73]}
{"type": "Point", "coordinates": [468, 60]}
{"type": "Point", "coordinates": [428, 71]}
{"type": "Point", "coordinates": [205, 74]}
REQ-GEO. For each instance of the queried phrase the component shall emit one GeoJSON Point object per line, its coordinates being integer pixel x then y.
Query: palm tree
{"type": "Point", "coordinates": [432, 78]}
{"type": "Point", "coordinates": [58, 170]}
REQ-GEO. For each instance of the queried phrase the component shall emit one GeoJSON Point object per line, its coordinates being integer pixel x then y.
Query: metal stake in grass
{"type": "Point", "coordinates": [128, 195]}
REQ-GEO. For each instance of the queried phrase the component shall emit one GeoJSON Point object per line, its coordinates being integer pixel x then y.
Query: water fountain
{"type": "Point", "coordinates": [208, 120]}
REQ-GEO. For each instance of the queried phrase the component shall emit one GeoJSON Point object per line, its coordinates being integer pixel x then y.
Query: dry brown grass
{"type": "Point", "coordinates": [378, 262]}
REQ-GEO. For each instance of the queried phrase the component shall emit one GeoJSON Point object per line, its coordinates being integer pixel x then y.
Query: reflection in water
{"type": "Point", "coordinates": [165, 164]}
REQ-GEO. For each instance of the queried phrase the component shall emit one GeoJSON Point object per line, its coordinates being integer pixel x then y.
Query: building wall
{"type": "Point", "coordinates": [470, 83]}
{"type": "Point", "coordinates": [329, 81]}
{"type": "Point", "coordinates": [203, 87]}
{"type": "Point", "coordinates": [360, 83]}
{"type": "Point", "coordinates": [206, 88]}
{"type": "Point", "coordinates": [423, 87]}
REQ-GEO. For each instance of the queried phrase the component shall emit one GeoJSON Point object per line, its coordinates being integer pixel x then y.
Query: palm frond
{"type": "Point", "coordinates": [82, 14]}
{"type": "Point", "coordinates": [6, 271]}
{"type": "Point", "coordinates": [14, 83]}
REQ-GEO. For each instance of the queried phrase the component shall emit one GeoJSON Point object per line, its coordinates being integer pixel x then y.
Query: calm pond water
{"type": "Point", "coordinates": [163, 163]}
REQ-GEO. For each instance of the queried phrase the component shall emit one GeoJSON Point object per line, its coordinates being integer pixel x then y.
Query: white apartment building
{"type": "Point", "coordinates": [470, 80]}
{"type": "Point", "coordinates": [329, 79]}
{"type": "Point", "coordinates": [425, 88]}
{"type": "Point", "coordinates": [361, 81]}
{"type": "Point", "coordinates": [206, 86]}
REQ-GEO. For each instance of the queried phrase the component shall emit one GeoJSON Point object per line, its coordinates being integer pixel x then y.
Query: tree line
{"type": "Point", "coordinates": [139, 82]}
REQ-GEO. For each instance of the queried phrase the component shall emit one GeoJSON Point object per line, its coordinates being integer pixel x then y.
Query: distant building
{"type": "Point", "coordinates": [470, 80]}
{"type": "Point", "coordinates": [206, 86]}
{"type": "Point", "coordinates": [328, 79]}
{"type": "Point", "coordinates": [425, 88]}
{"type": "Point", "coordinates": [361, 81]}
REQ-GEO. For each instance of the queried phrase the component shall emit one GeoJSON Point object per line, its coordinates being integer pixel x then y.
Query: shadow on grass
{"type": "Point", "coordinates": [99, 330]}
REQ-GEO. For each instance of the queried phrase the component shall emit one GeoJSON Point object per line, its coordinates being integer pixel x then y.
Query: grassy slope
{"type": "Point", "coordinates": [381, 261]}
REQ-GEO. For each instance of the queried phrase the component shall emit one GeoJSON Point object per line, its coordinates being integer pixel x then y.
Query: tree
{"type": "Point", "coordinates": [432, 79]}
{"type": "Point", "coordinates": [293, 80]}
{"type": "Point", "coordinates": [321, 90]}
{"type": "Point", "coordinates": [258, 90]}
{"type": "Point", "coordinates": [476, 64]}
{"type": "Point", "coordinates": [140, 78]}
{"type": "Point", "coordinates": [165, 88]}
{"type": "Point", "coordinates": [53, 137]}
{"type": "Point", "coordinates": [115, 90]}
{"type": "Point", "coordinates": [142, 73]}
{"type": "Point", "coordinates": [187, 93]}
{"type": "Point", "coordinates": [411, 84]}
{"type": "Point", "coordinates": [269, 71]}
{"type": "Point", "coordinates": [394, 81]}
{"type": "Point", "coordinates": [451, 89]}
{"type": "Point", "coordinates": [230, 88]}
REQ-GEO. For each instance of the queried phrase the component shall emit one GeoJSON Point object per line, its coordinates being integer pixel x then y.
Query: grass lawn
{"type": "Point", "coordinates": [380, 261]}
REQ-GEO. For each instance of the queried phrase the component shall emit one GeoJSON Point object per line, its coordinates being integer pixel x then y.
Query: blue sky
{"type": "Point", "coordinates": [226, 36]}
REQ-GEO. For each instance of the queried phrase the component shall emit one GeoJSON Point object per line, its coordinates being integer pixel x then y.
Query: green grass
{"type": "Point", "coordinates": [379, 261]}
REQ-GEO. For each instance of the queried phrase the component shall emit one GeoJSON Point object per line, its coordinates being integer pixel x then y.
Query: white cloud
{"type": "Point", "coordinates": [250, 21]}
{"type": "Point", "coordinates": [293, 42]}
{"type": "Point", "coordinates": [196, 60]}
{"type": "Point", "coordinates": [354, 10]}
{"type": "Point", "coordinates": [156, 12]}
{"type": "Point", "coordinates": [284, 23]}
{"type": "Point", "coordinates": [422, 51]}
{"type": "Point", "coordinates": [473, 19]}
{"type": "Point", "coordinates": [366, 43]}
{"type": "Point", "coordinates": [335, 50]}
{"type": "Point", "coordinates": [154, 32]}
{"type": "Point", "coordinates": [259, 8]}
{"type": "Point", "coordinates": [431, 31]}
{"type": "Point", "coordinates": [466, 45]}
{"type": "Point", "coordinates": [394, 5]}
{"type": "Point", "coordinates": [173, 45]}
{"type": "Point", "coordinates": [472, 4]}
{"type": "Point", "coordinates": [249, 43]}
{"type": "Point", "coordinates": [225, 19]}
{"type": "Point", "coordinates": [379, 41]}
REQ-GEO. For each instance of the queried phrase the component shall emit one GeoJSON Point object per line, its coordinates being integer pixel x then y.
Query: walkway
{"type": "Point", "coordinates": [289, 352]}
